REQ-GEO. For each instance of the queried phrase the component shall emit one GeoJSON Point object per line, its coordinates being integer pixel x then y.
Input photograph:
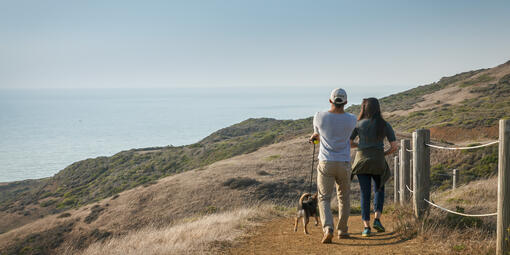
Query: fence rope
{"type": "Point", "coordinates": [462, 214]}
{"type": "Point", "coordinates": [409, 189]}
{"type": "Point", "coordinates": [461, 148]}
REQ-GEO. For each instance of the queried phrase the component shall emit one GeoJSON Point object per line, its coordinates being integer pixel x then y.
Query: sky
{"type": "Point", "coordinates": [263, 43]}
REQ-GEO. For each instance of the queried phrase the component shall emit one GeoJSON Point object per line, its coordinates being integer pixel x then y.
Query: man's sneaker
{"type": "Point", "coordinates": [366, 232]}
{"type": "Point", "coordinates": [378, 226]}
{"type": "Point", "coordinates": [328, 235]}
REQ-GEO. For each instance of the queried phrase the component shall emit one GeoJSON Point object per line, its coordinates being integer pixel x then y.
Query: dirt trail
{"type": "Point", "coordinates": [277, 237]}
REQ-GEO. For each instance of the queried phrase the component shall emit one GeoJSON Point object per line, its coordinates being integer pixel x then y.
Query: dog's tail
{"type": "Point", "coordinates": [305, 195]}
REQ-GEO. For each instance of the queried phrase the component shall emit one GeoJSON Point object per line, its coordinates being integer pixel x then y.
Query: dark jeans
{"type": "Point", "coordinates": [365, 184]}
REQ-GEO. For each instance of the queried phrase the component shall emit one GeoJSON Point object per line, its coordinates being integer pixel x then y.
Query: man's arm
{"type": "Point", "coordinates": [315, 135]}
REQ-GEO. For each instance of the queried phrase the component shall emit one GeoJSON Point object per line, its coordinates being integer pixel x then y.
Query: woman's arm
{"type": "Point", "coordinates": [393, 148]}
{"type": "Point", "coordinates": [354, 134]}
{"type": "Point", "coordinates": [390, 135]}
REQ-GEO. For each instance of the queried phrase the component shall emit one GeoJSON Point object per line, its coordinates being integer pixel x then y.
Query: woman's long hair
{"type": "Point", "coordinates": [370, 109]}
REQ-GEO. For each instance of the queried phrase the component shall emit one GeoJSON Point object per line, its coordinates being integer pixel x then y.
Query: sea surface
{"type": "Point", "coordinates": [43, 131]}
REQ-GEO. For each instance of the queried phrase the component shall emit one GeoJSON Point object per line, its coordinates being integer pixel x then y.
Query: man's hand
{"type": "Point", "coordinates": [315, 136]}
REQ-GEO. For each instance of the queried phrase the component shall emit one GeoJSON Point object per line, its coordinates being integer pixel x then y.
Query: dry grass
{"type": "Point", "coordinates": [201, 236]}
{"type": "Point", "coordinates": [452, 234]}
{"type": "Point", "coordinates": [190, 194]}
{"type": "Point", "coordinates": [477, 197]}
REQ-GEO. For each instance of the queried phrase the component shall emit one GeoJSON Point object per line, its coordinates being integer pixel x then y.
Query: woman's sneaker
{"type": "Point", "coordinates": [366, 232]}
{"type": "Point", "coordinates": [378, 226]}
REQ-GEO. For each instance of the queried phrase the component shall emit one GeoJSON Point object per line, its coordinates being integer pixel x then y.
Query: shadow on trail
{"type": "Point", "coordinates": [378, 234]}
{"type": "Point", "coordinates": [372, 244]}
{"type": "Point", "coordinates": [376, 237]}
{"type": "Point", "coordinates": [373, 239]}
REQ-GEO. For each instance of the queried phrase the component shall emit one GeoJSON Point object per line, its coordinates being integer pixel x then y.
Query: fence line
{"type": "Point", "coordinates": [421, 180]}
{"type": "Point", "coordinates": [396, 180]}
{"type": "Point", "coordinates": [462, 214]}
{"type": "Point", "coordinates": [461, 148]}
{"type": "Point", "coordinates": [421, 145]}
{"type": "Point", "coordinates": [405, 171]}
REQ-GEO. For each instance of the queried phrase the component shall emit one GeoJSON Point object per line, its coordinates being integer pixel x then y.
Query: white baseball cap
{"type": "Point", "coordinates": [338, 96]}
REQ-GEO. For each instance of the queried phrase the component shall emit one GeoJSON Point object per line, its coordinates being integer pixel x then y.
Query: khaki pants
{"type": "Point", "coordinates": [329, 173]}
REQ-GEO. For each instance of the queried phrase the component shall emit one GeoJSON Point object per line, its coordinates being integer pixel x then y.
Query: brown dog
{"type": "Point", "coordinates": [307, 207]}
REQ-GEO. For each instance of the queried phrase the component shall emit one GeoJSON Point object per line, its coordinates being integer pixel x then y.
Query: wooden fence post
{"type": "Point", "coordinates": [411, 170]}
{"type": "Point", "coordinates": [503, 229]}
{"type": "Point", "coordinates": [404, 171]}
{"type": "Point", "coordinates": [455, 172]}
{"type": "Point", "coordinates": [396, 179]}
{"type": "Point", "coordinates": [421, 178]}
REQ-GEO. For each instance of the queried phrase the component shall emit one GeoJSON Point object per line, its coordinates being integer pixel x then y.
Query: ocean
{"type": "Point", "coordinates": [44, 130]}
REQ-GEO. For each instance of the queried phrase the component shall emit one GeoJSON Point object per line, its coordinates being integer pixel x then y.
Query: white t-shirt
{"type": "Point", "coordinates": [335, 131]}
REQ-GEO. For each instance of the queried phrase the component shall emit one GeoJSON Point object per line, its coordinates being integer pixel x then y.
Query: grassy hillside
{"type": "Point", "coordinates": [91, 180]}
{"type": "Point", "coordinates": [466, 101]}
{"type": "Point", "coordinates": [276, 174]}
{"type": "Point", "coordinates": [490, 104]}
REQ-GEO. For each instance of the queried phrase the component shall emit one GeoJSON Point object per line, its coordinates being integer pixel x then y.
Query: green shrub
{"type": "Point", "coordinates": [210, 210]}
{"type": "Point", "coordinates": [463, 222]}
{"type": "Point", "coordinates": [240, 182]}
{"type": "Point", "coordinates": [480, 79]}
{"type": "Point", "coordinates": [459, 247]}
{"type": "Point", "coordinates": [273, 157]}
{"type": "Point", "coordinates": [48, 202]}
{"type": "Point", "coordinates": [67, 202]}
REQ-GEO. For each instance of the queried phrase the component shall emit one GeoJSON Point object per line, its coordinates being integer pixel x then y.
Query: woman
{"type": "Point", "coordinates": [370, 163]}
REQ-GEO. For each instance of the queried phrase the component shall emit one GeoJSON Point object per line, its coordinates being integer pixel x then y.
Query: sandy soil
{"type": "Point", "coordinates": [464, 136]}
{"type": "Point", "coordinates": [451, 95]}
{"type": "Point", "coordinates": [454, 93]}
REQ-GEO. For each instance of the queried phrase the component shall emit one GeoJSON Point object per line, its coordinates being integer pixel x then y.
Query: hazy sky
{"type": "Point", "coordinates": [128, 44]}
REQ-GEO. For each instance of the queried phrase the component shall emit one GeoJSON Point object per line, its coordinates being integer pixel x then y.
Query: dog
{"type": "Point", "coordinates": [307, 207]}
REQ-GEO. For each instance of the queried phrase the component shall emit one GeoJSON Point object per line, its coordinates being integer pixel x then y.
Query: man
{"type": "Point", "coordinates": [333, 129]}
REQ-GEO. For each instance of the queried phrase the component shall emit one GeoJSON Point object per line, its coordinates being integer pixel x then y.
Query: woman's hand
{"type": "Point", "coordinates": [393, 148]}
{"type": "Point", "coordinates": [315, 136]}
